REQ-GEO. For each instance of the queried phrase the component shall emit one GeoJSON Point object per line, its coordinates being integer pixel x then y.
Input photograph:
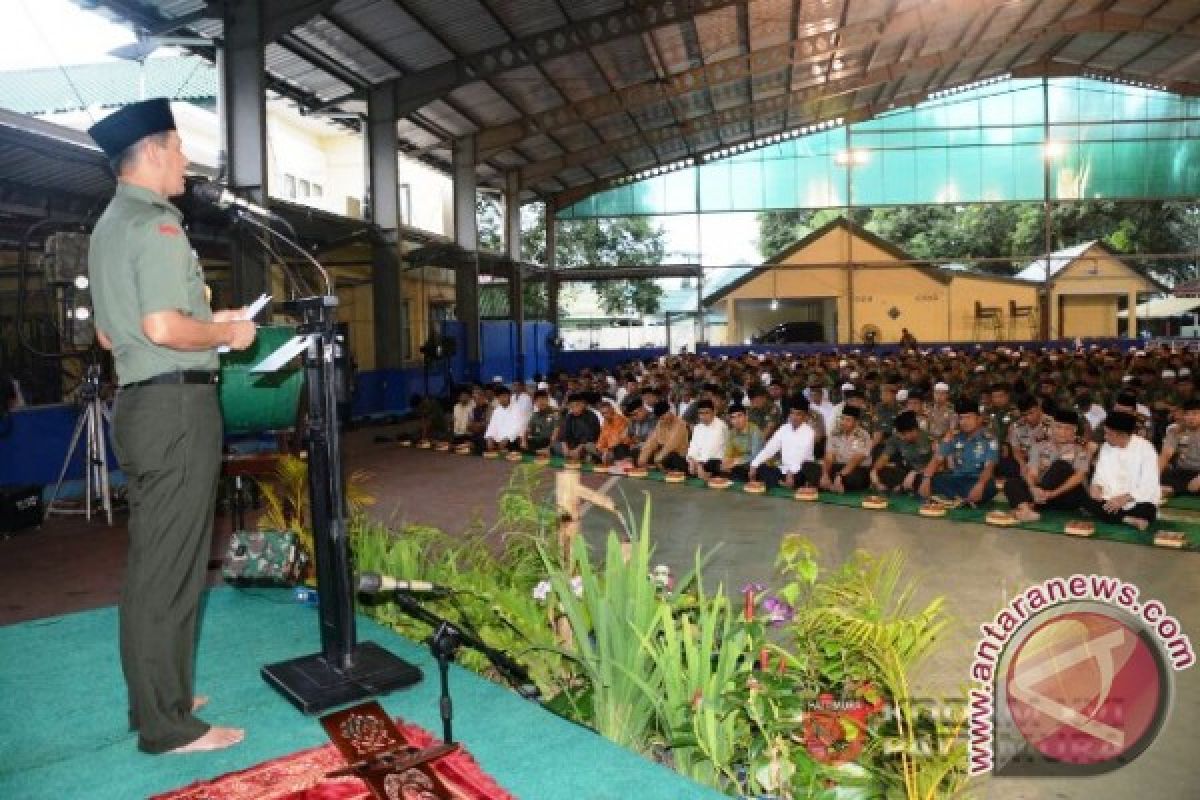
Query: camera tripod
{"type": "Point", "coordinates": [90, 429]}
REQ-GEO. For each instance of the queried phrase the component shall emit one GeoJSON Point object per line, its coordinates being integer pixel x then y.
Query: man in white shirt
{"type": "Point", "coordinates": [793, 443]}
{"type": "Point", "coordinates": [1125, 486]}
{"type": "Point", "coordinates": [462, 416]}
{"type": "Point", "coordinates": [707, 447]}
{"type": "Point", "coordinates": [507, 423]}
{"type": "Point", "coordinates": [522, 398]}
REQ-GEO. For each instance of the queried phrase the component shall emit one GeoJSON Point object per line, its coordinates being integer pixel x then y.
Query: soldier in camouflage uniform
{"type": "Point", "coordinates": [742, 444]}
{"type": "Point", "coordinates": [1179, 461]}
{"type": "Point", "coordinates": [1000, 415]}
{"type": "Point", "coordinates": [883, 415]}
{"type": "Point", "coordinates": [905, 455]}
{"type": "Point", "coordinates": [763, 412]}
{"type": "Point", "coordinates": [845, 466]}
{"type": "Point", "coordinates": [1055, 473]}
{"type": "Point", "coordinates": [542, 423]}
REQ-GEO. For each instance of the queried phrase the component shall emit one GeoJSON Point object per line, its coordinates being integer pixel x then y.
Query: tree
{"type": "Point", "coordinates": [631, 241]}
{"type": "Point", "coordinates": [1014, 233]}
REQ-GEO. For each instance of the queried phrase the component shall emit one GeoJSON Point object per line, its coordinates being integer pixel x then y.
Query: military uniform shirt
{"type": "Point", "coordinates": [765, 418]}
{"type": "Point", "coordinates": [542, 424]}
{"type": "Point", "coordinates": [742, 446]}
{"type": "Point", "coordinates": [968, 455]}
{"type": "Point", "coordinates": [885, 418]}
{"type": "Point", "coordinates": [140, 263]}
{"type": "Point", "coordinates": [1023, 436]}
{"type": "Point", "coordinates": [1046, 453]}
{"type": "Point", "coordinates": [942, 420]}
{"type": "Point", "coordinates": [914, 455]}
{"type": "Point", "coordinates": [843, 447]}
{"type": "Point", "coordinates": [999, 421]}
{"type": "Point", "coordinates": [1186, 444]}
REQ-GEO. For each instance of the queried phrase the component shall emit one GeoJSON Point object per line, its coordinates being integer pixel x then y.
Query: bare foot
{"type": "Point", "coordinates": [199, 702]}
{"type": "Point", "coordinates": [216, 739]}
{"type": "Point", "coordinates": [1136, 522]}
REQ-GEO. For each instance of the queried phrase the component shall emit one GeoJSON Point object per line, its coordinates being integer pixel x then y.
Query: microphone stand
{"type": "Point", "coordinates": [444, 643]}
{"type": "Point", "coordinates": [345, 670]}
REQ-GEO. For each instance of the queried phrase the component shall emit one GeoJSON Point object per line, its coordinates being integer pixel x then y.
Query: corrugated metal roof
{"type": "Point", "coordinates": [117, 83]}
{"type": "Point", "coordinates": [1036, 270]}
{"type": "Point", "coordinates": [618, 67]}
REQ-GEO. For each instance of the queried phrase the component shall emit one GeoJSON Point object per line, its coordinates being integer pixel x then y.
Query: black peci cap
{"type": "Point", "coordinates": [123, 128]}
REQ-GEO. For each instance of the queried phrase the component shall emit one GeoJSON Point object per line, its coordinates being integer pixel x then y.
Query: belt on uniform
{"type": "Point", "coordinates": [185, 376]}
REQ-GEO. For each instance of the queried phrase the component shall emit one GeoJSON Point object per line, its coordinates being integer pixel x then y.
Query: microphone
{"type": "Point", "coordinates": [374, 583]}
{"type": "Point", "coordinates": [214, 194]}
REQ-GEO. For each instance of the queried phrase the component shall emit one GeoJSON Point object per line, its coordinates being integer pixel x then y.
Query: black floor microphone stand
{"type": "Point", "coordinates": [345, 670]}
{"type": "Point", "coordinates": [444, 643]}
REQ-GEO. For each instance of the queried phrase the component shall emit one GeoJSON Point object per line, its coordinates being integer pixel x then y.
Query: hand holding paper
{"type": "Point", "coordinates": [248, 313]}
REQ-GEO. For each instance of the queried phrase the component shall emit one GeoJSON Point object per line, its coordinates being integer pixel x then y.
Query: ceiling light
{"type": "Point", "coordinates": [81, 282]}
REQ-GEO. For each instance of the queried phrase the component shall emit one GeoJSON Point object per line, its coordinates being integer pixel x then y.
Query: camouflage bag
{"type": "Point", "coordinates": [264, 558]}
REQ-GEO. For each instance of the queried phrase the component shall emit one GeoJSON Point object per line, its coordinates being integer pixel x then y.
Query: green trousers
{"type": "Point", "coordinates": [168, 439]}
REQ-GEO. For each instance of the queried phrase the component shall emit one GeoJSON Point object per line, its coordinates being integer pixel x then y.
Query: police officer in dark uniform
{"type": "Point", "coordinates": [152, 313]}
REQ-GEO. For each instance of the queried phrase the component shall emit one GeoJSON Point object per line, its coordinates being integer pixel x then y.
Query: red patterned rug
{"type": "Point", "coordinates": [301, 776]}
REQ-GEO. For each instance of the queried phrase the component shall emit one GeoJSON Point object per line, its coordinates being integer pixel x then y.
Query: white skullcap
{"type": "Point", "coordinates": [1022, 363]}
{"type": "Point", "coordinates": [1168, 373]}
{"type": "Point", "coordinates": [1126, 378]}
{"type": "Point", "coordinates": [610, 380]}
{"type": "Point", "coordinates": [854, 375]}
{"type": "Point", "coordinates": [846, 387]}
{"type": "Point", "coordinates": [843, 363]}
{"type": "Point", "coordinates": [941, 386]}
{"type": "Point", "coordinates": [543, 385]}
{"type": "Point", "coordinates": [765, 378]}
{"type": "Point", "coordinates": [497, 379]}
{"type": "Point", "coordinates": [902, 395]}
{"type": "Point", "coordinates": [1184, 371]}
{"type": "Point", "coordinates": [981, 368]}
{"type": "Point", "coordinates": [762, 358]}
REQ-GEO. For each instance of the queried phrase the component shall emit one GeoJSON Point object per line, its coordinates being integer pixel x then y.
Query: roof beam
{"type": "Point", "coordinates": [805, 103]}
{"type": "Point", "coordinates": [429, 84]}
{"type": "Point", "coordinates": [783, 57]}
{"type": "Point", "coordinates": [281, 16]}
{"type": "Point", "coordinates": [1053, 68]}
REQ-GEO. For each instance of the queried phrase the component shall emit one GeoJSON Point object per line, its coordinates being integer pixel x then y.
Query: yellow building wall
{"type": "Point", "coordinates": [919, 298]}
{"type": "Point", "coordinates": [967, 289]}
{"type": "Point", "coordinates": [1095, 273]}
{"type": "Point", "coordinates": [1089, 315]}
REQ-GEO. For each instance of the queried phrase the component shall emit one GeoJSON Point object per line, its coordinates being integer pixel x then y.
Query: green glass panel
{"type": "Point", "coordinates": [985, 144]}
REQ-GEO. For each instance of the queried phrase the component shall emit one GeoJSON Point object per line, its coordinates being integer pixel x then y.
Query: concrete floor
{"type": "Point", "coordinates": [71, 565]}
{"type": "Point", "coordinates": [976, 568]}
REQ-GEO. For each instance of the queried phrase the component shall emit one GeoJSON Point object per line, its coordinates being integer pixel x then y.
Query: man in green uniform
{"type": "Point", "coordinates": [151, 311]}
{"type": "Point", "coordinates": [905, 455]}
{"type": "Point", "coordinates": [1179, 461]}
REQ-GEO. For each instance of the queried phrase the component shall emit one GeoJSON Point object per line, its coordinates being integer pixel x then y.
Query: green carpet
{"type": "Point", "coordinates": [1051, 521]}
{"type": "Point", "coordinates": [63, 730]}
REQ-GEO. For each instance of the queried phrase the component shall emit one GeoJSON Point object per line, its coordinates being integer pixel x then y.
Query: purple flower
{"type": "Point", "coordinates": [754, 588]}
{"type": "Point", "coordinates": [778, 611]}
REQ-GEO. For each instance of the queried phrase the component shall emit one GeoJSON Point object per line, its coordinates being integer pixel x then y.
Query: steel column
{"type": "Point", "coordinates": [552, 281]}
{"type": "Point", "coordinates": [384, 177]}
{"type": "Point", "coordinates": [466, 236]}
{"type": "Point", "coordinates": [244, 127]}
{"type": "Point", "coordinates": [516, 281]}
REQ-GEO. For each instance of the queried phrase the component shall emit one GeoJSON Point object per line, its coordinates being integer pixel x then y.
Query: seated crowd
{"type": "Point", "coordinates": [1085, 429]}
